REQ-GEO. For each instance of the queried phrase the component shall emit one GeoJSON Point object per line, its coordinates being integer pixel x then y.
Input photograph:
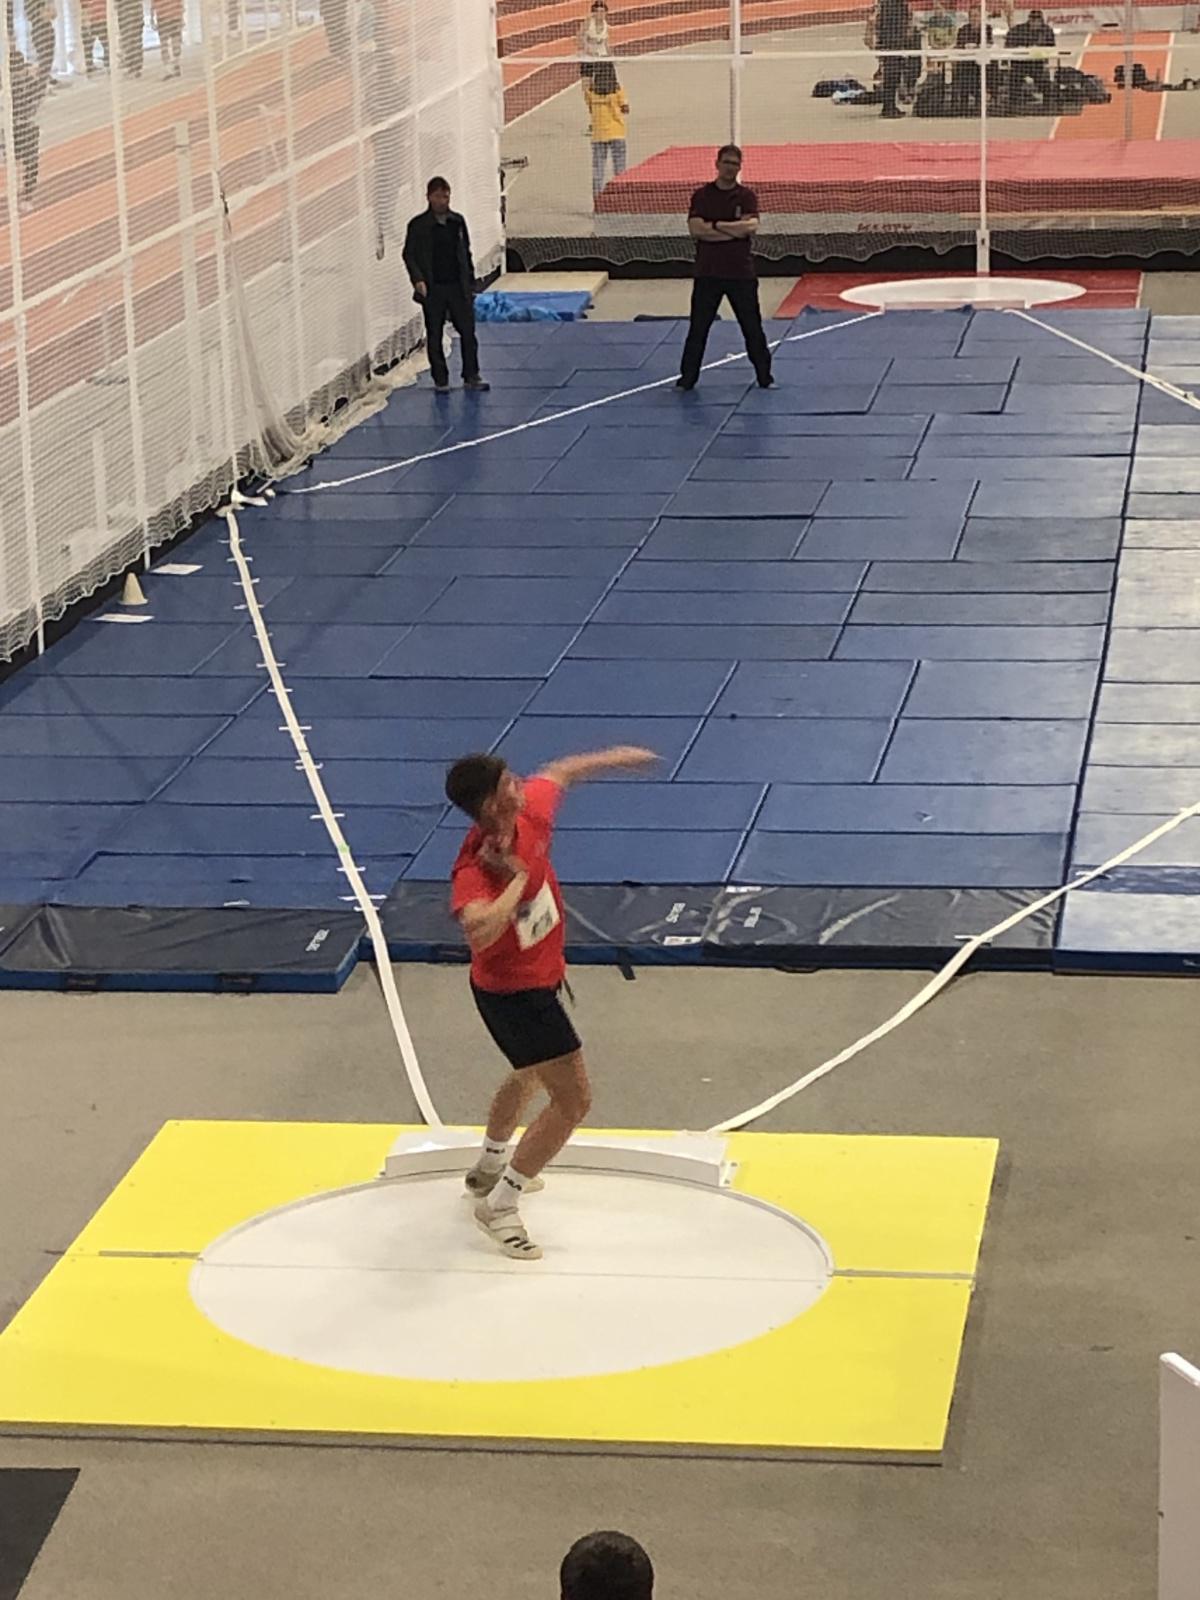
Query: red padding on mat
{"type": "Point", "coordinates": [890, 179]}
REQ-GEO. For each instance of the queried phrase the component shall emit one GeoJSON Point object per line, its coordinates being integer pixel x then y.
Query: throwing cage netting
{"type": "Point", "coordinates": [204, 210]}
{"type": "Point", "coordinates": [1067, 131]}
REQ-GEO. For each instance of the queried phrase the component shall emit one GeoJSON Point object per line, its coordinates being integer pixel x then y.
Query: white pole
{"type": "Point", "coordinates": [34, 600]}
{"type": "Point", "coordinates": [137, 440]}
{"type": "Point", "coordinates": [735, 71]}
{"type": "Point", "coordinates": [228, 383]}
{"type": "Point", "coordinates": [1128, 70]}
{"type": "Point", "coordinates": [1178, 1479]}
{"type": "Point", "coordinates": [300, 385]}
{"type": "Point", "coordinates": [983, 237]}
{"type": "Point", "coordinates": [191, 290]}
{"type": "Point", "coordinates": [365, 229]}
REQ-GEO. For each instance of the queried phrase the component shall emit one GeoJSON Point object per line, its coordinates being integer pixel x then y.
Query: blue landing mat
{"type": "Point", "coordinates": [787, 750]}
{"type": "Point", "coordinates": [862, 616]}
{"type": "Point", "coordinates": [609, 688]}
{"type": "Point", "coordinates": [366, 738]}
{"type": "Point", "coordinates": [890, 860]}
{"type": "Point", "coordinates": [742, 577]}
{"type": "Point", "coordinates": [110, 737]}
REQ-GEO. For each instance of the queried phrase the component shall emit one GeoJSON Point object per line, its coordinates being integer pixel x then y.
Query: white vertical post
{"type": "Point", "coordinates": [226, 425]}
{"type": "Point", "coordinates": [188, 275]}
{"type": "Point", "coordinates": [983, 236]}
{"type": "Point", "coordinates": [736, 64]}
{"type": "Point", "coordinates": [1178, 1479]}
{"type": "Point", "coordinates": [1128, 89]}
{"type": "Point", "coordinates": [127, 286]}
{"type": "Point", "coordinates": [299, 360]}
{"type": "Point", "coordinates": [366, 209]}
{"type": "Point", "coordinates": [35, 598]}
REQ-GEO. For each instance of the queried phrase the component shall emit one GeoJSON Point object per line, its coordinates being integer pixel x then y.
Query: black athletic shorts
{"type": "Point", "coordinates": [529, 1026]}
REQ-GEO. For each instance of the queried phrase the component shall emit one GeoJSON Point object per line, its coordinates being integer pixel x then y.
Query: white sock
{"type": "Point", "coordinates": [494, 1157]}
{"type": "Point", "coordinates": [507, 1193]}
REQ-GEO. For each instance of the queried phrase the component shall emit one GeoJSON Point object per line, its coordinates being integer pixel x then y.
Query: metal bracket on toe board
{"type": "Point", "coordinates": [688, 1157]}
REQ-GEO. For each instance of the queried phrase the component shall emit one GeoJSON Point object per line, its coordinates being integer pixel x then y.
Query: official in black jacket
{"type": "Point", "coordinates": [437, 253]}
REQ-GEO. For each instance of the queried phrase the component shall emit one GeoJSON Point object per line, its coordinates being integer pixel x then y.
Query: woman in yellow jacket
{"type": "Point", "coordinates": [609, 108]}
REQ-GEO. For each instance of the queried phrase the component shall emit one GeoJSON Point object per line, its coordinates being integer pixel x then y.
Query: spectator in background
{"type": "Point", "coordinates": [723, 219]}
{"type": "Point", "coordinates": [606, 1566]}
{"type": "Point", "coordinates": [964, 92]}
{"type": "Point", "coordinates": [893, 32]}
{"type": "Point", "coordinates": [335, 14]}
{"type": "Point", "coordinates": [131, 20]}
{"type": "Point", "coordinates": [168, 24]}
{"type": "Point", "coordinates": [93, 18]}
{"type": "Point", "coordinates": [23, 123]}
{"type": "Point", "coordinates": [593, 40]}
{"type": "Point", "coordinates": [1035, 33]}
{"type": "Point", "coordinates": [39, 14]}
{"type": "Point", "coordinates": [437, 253]}
{"type": "Point", "coordinates": [609, 108]}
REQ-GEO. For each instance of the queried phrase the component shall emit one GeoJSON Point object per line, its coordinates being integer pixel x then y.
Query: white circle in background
{"type": "Point", "coordinates": [395, 1279]}
{"type": "Point", "coordinates": [941, 294]}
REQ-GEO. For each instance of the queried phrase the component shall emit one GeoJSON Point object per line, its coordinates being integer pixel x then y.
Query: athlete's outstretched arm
{"type": "Point", "coordinates": [578, 769]}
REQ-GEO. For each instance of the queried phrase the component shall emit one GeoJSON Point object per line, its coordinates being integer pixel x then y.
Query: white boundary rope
{"type": "Point", "coordinates": [1137, 373]}
{"type": "Point", "coordinates": [327, 815]}
{"type": "Point", "coordinates": [959, 959]}
{"type": "Point", "coordinates": [940, 979]}
{"type": "Point", "coordinates": [571, 411]}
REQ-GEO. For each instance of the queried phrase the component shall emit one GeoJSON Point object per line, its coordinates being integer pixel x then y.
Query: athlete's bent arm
{"type": "Point", "coordinates": [578, 769]}
{"type": "Point", "coordinates": [485, 921]}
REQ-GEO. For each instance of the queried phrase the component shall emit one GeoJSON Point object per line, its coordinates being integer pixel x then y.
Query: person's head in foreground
{"type": "Point", "coordinates": [437, 192]}
{"type": "Point", "coordinates": [487, 791]}
{"type": "Point", "coordinates": [729, 164]}
{"type": "Point", "coordinates": [606, 1566]}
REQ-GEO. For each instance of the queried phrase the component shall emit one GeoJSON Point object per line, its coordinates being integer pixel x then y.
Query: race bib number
{"type": "Point", "coordinates": [537, 919]}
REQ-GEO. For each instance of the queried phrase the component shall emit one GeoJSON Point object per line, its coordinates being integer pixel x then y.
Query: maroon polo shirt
{"type": "Point", "coordinates": [713, 204]}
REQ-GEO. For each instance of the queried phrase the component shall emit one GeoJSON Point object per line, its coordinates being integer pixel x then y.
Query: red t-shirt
{"type": "Point", "coordinates": [530, 953]}
{"type": "Point", "coordinates": [733, 259]}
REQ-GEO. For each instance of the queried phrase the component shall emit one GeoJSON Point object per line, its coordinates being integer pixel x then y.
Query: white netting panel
{"type": "Point", "coordinates": [203, 214]}
{"type": "Point", "coordinates": [862, 123]}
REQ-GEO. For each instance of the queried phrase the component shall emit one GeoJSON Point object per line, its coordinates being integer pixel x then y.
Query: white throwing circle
{"type": "Point", "coordinates": [395, 1279]}
{"type": "Point", "coordinates": [941, 294]}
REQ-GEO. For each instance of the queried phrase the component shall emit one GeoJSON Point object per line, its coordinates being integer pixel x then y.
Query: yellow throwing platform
{"type": "Point", "coordinates": [114, 1340]}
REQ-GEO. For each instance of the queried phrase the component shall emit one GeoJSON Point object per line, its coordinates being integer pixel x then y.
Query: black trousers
{"type": "Point", "coordinates": [444, 300]}
{"type": "Point", "coordinates": [742, 294]}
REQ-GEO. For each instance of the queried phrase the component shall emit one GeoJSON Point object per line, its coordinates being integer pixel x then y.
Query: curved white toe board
{"type": "Point", "coordinates": [691, 1157]}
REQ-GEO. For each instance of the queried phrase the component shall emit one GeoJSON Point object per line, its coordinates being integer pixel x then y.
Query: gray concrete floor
{"type": "Point", "coordinates": [1089, 1270]}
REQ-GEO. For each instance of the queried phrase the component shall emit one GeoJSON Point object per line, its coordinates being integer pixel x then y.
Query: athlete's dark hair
{"type": "Point", "coordinates": [606, 1566]}
{"type": "Point", "coordinates": [437, 183]}
{"type": "Point", "coordinates": [729, 150]}
{"type": "Point", "coordinates": [472, 781]}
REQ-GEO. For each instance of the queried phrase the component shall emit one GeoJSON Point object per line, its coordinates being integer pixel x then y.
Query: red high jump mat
{"type": "Point", "coordinates": [1046, 175]}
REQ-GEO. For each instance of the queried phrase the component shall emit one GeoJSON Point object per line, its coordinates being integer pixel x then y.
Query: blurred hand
{"type": "Point", "coordinates": [633, 755]}
{"type": "Point", "coordinates": [420, 290]}
{"type": "Point", "coordinates": [499, 860]}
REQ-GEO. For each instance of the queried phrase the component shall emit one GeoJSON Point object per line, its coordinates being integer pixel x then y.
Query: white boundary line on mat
{"type": "Point", "coordinates": [327, 815]}
{"type": "Point", "coordinates": [571, 411]}
{"type": "Point", "coordinates": [940, 979]}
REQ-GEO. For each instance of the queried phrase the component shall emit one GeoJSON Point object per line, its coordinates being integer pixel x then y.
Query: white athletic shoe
{"type": "Point", "coordinates": [507, 1232]}
{"type": "Point", "coordinates": [479, 1183]}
